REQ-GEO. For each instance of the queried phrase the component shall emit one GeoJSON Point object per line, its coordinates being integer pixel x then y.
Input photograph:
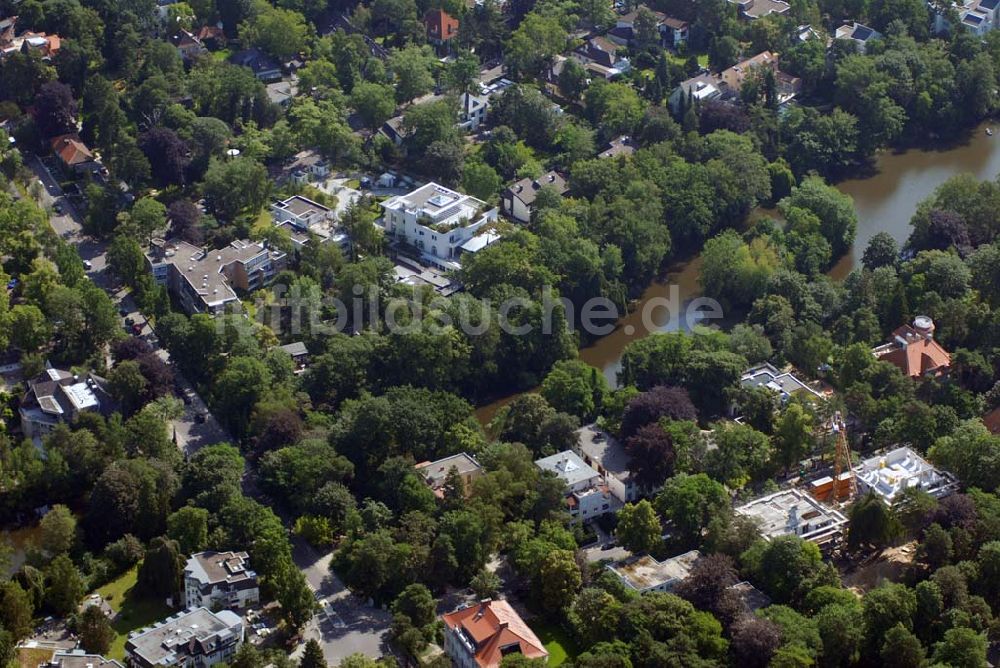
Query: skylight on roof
{"type": "Point", "coordinates": [440, 200]}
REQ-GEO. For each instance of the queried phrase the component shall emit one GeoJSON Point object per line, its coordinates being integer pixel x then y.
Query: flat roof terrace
{"type": "Point", "coordinates": [793, 512]}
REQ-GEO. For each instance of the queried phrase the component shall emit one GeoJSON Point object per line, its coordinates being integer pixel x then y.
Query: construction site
{"type": "Point", "coordinates": [814, 507]}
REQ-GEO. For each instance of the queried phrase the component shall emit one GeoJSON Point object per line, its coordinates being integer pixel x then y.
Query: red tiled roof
{"type": "Point", "coordinates": [919, 356]}
{"type": "Point", "coordinates": [209, 32]}
{"type": "Point", "coordinates": [440, 25]}
{"type": "Point", "coordinates": [493, 626]}
{"type": "Point", "coordinates": [71, 150]}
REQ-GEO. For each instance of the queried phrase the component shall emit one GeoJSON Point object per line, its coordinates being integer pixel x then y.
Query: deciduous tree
{"type": "Point", "coordinates": [639, 528]}
{"type": "Point", "coordinates": [94, 630]}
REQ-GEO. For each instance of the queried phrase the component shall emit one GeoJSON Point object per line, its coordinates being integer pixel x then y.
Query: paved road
{"type": "Point", "coordinates": [346, 625]}
{"type": "Point", "coordinates": [191, 433]}
{"type": "Point", "coordinates": [69, 223]}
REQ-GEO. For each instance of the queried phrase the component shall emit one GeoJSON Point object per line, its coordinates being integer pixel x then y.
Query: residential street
{"type": "Point", "coordinates": [345, 625]}
{"type": "Point", "coordinates": [191, 434]}
{"type": "Point", "coordinates": [69, 223]}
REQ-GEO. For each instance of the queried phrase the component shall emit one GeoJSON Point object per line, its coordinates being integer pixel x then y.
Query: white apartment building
{"type": "Point", "coordinates": [472, 110]}
{"type": "Point", "coordinates": [792, 512]}
{"type": "Point", "coordinates": [889, 474]}
{"type": "Point", "coordinates": [205, 280]}
{"type": "Point", "coordinates": [301, 212]}
{"type": "Point", "coordinates": [191, 639]}
{"type": "Point", "coordinates": [645, 574]}
{"type": "Point", "coordinates": [587, 494]}
{"type": "Point", "coordinates": [438, 223]}
{"type": "Point", "coordinates": [57, 396]}
{"type": "Point", "coordinates": [302, 217]}
{"type": "Point", "coordinates": [222, 579]}
{"type": "Point", "coordinates": [604, 452]}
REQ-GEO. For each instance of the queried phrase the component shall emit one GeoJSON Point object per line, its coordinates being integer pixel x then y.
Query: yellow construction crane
{"type": "Point", "coordinates": [842, 460]}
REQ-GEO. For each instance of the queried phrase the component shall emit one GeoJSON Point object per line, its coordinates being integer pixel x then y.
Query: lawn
{"type": "Point", "coordinates": [682, 60]}
{"type": "Point", "coordinates": [261, 224]}
{"type": "Point", "coordinates": [560, 646]}
{"type": "Point", "coordinates": [134, 611]}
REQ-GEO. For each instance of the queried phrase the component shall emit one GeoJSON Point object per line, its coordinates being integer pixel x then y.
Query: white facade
{"type": "Point", "coordinates": [603, 452]}
{"type": "Point", "coordinates": [645, 574]}
{"type": "Point", "coordinates": [472, 111]}
{"type": "Point", "coordinates": [700, 88]}
{"type": "Point", "coordinates": [219, 579]}
{"type": "Point", "coordinates": [889, 474]}
{"type": "Point", "coordinates": [977, 16]}
{"type": "Point", "coordinates": [436, 221]}
{"type": "Point", "coordinates": [301, 212]}
{"type": "Point", "coordinates": [56, 397]}
{"type": "Point", "coordinates": [195, 638]}
{"type": "Point", "coordinates": [784, 384]}
{"type": "Point", "coordinates": [587, 494]}
{"type": "Point", "coordinates": [792, 512]}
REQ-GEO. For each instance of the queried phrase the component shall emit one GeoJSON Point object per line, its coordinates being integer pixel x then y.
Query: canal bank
{"type": "Point", "coordinates": [888, 198]}
{"type": "Point", "coordinates": [885, 200]}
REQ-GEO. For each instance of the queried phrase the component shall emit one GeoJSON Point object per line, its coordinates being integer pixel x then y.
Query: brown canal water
{"type": "Point", "coordinates": [885, 201]}
{"type": "Point", "coordinates": [19, 541]}
{"type": "Point", "coordinates": [663, 306]}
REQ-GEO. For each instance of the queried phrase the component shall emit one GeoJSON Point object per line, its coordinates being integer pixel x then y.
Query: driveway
{"type": "Point", "coordinates": [345, 624]}
{"type": "Point", "coordinates": [191, 434]}
{"type": "Point", "coordinates": [339, 189]}
{"type": "Point", "coordinates": [604, 548]}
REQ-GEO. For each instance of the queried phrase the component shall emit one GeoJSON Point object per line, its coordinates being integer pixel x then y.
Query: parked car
{"type": "Point", "coordinates": [88, 265]}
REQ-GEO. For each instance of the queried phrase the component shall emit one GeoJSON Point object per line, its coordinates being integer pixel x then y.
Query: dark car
{"type": "Point", "coordinates": [200, 417]}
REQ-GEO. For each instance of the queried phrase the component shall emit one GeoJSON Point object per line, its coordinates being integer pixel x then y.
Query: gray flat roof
{"type": "Point", "coordinates": [769, 376]}
{"type": "Point", "coordinates": [295, 348]}
{"type": "Point", "coordinates": [212, 567]}
{"type": "Point", "coordinates": [435, 472]}
{"type": "Point", "coordinates": [645, 572]}
{"type": "Point", "coordinates": [604, 451]}
{"type": "Point", "coordinates": [77, 658]}
{"type": "Point", "coordinates": [300, 205]}
{"type": "Point", "coordinates": [792, 511]}
{"type": "Point", "coordinates": [175, 636]}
